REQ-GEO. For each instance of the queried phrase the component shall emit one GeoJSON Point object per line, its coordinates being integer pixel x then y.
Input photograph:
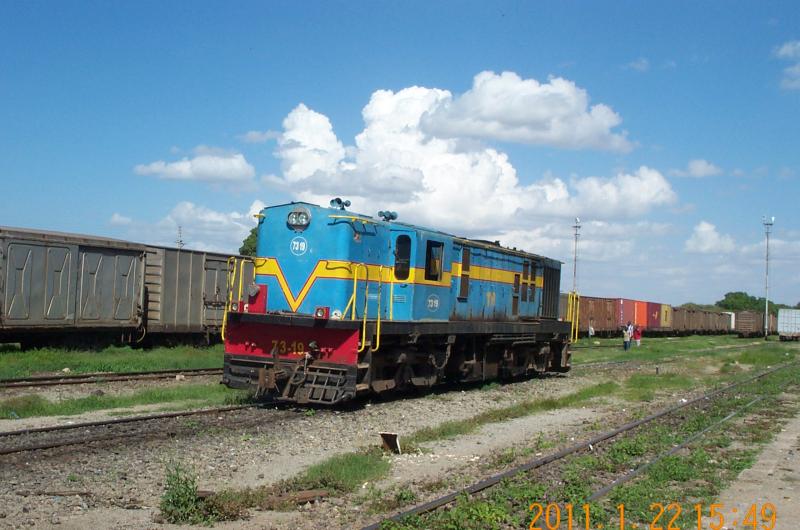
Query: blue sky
{"type": "Point", "coordinates": [669, 128]}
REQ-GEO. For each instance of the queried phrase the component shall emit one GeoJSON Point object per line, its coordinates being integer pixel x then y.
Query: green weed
{"type": "Point", "coordinates": [179, 503]}
{"type": "Point", "coordinates": [344, 473]}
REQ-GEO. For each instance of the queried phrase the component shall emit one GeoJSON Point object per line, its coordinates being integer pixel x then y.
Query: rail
{"type": "Point", "coordinates": [102, 377]}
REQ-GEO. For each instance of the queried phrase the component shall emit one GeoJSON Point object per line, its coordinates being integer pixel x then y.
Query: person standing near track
{"type": "Point", "coordinates": [626, 339]}
{"type": "Point", "coordinates": [637, 336]}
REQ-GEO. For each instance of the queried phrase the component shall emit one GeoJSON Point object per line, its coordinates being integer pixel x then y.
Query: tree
{"type": "Point", "coordinates": [248, 247]}
{"type": "Point", "coordinates": [740, 301]}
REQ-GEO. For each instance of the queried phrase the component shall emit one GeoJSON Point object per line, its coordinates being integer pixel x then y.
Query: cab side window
{"type": "Point", "coordinates": [402, 257]}
{"type": "Point", "coordinates": [433, 260]}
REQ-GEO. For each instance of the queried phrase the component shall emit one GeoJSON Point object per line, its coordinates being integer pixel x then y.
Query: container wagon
{"type": "Point", "coordinates": [789, 324]}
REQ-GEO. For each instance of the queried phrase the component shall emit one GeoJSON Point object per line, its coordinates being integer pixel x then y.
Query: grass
{"type": "Point", "coordinates": [15, 363]}
{"type": "Point", "coordinates": [196, 395]}
{"type": "Point", "coordinates": [643, 387]}
{"type": "Point", "coordinates": [657, 348]}
{"type": "Point", "coordinates": [344, 473]}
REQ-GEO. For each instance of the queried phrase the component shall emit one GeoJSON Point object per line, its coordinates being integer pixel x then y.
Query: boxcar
{"type": "Point", "coordinates": [185, 292]}
{"type": "Point", "coordinates": [600, 313]}
{"type": "Point", "coordinates": [58, 284]}
{"type": "Point", "coordinates": [626, 311]}
{"type": "Point", "coordinates": [749, 323]}
{"type": "Point", "coordinates": [72, 289]}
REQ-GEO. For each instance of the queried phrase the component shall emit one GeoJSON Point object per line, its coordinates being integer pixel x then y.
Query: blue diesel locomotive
{"type": "Point", "coordinates": [339, 305]}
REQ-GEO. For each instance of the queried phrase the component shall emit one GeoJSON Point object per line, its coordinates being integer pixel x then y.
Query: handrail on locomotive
{"type": "Point", "coordinates": [238, 264]}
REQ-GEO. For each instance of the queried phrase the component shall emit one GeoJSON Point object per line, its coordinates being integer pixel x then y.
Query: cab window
{"type": "Point", "coordinates": [433, 261]}
{"type": "Point", "coordinates": [402, 257]}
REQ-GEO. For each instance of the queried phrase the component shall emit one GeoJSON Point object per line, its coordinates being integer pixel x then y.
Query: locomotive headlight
{"type": "Point", "coordinates": [298, 219]}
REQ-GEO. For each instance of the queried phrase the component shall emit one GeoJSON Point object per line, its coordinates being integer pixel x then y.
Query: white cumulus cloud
{"type": "Point", "coordinates": [706, 240]}
{"type": "Point", "coordinates": [791, 77]}
{"type": "Point", "coordinates": [258, 137]}
{"type": "Point", "coordinates": [508, 108]}
{"type": "Point", "coordinates": [790, 51]}
{"type": "Point", "coordinates": [208, 165]}
{"type": "Point", "coordinates": [640, 65]}
{"type": "Point", "coordinates": [698, 168]}
{"type": "Point", "coordinates": [202, 228]}
{"type": "Point", "coordinates": [454, 184]}
{"type": "Point", "coordinates": [120, 220]}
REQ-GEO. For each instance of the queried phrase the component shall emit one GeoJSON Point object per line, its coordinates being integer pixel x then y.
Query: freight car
{"type": "Point", "coordinates": [78, 290]}
{"type": "Point", "coordinates": [751, 324]}
{"type": "Point", "coordinates": [342, 305]}
{"type": "Point", "coordinates": [789, 324]}
{"type": "Point", "coordinates": [607, 316]}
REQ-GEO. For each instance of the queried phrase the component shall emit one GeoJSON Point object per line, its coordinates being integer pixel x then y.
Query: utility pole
{"type": "Point", "coordinates": [577, 227]}
{"type": "Point", "coordinates": [179, 241]}
{"type": "Point", "coordinates": [768, 222]}
{"type": "Point", "coordinates": [573, 299]}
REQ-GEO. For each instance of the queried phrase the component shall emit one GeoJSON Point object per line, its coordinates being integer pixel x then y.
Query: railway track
{"type": "Point", "coordinates": [489, 482]}
{"type": "Point", "coordinates": [102, 377]}
{"type": "Point", "coordinates": [96, 431]}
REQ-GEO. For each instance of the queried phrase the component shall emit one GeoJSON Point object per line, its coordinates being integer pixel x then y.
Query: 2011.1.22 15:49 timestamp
{"type": "Point", "coordinates": [662, 517]}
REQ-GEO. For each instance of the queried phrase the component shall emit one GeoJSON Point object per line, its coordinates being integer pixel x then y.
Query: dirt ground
{"type": "Point", "coordinates": [774, 478]}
